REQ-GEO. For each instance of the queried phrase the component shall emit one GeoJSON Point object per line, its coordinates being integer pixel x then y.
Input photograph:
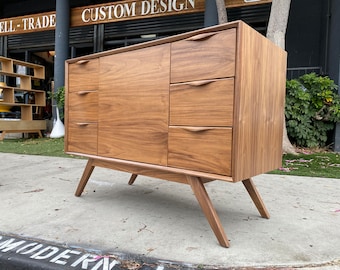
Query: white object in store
{"type": "Point", "coordinates": [58, 130]}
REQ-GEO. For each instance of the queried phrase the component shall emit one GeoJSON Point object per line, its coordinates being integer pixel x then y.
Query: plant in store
{"type": "Point", "coordinates": [312, 109]}
{"type": "Point", "coordinates": [59, 97]}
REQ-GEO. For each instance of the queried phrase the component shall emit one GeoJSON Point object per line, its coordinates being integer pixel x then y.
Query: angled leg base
{"type": "Point", "coordinates": [208, 209]}
{"type": "Point", "coordinates": [85, 177]}
{"type": "Point", "coordinates": [132, 179]}
{"type": "Point", "coordinates": [255, 196]}
{"type": "Point", "coordinates": [196, 183]}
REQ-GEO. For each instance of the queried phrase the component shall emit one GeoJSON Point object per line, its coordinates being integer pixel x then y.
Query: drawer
{"type": "Point", "coordinates": [204, 56]}
{"type": "Point", "coordinates": [202, 103]}
{"type": "Point", "coordinates": [83, 75]}
{"type": "Point", "coordinates": [82, 138]}
{"type": "Point", "coordinates": [83, 106]}
{"type": "Point", "coordinates": [201, 149]}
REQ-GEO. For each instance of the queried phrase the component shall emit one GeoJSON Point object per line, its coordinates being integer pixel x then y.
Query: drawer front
{"type": "Point", "coordinates": [83, 106]}
{"type": "Point", "coordinates": [82, 138]}
{"type": "Point", "coordinates": [83, 75]}
{"type": "Point", "coordinates": [202, 103]}
{"type": "Point", "coordinates": [200, 149]}
{"type": "Point", "coordinates": [205, 56]}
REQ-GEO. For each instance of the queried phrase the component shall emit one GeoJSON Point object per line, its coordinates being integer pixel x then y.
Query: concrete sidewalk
{"type": "Point", "coordinates": [160, 219]}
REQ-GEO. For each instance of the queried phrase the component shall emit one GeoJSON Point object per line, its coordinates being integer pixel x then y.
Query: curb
{"type": "Point", "coordinates": [22, 253]}
{"type": "Point", "coordinates": [25, 254]}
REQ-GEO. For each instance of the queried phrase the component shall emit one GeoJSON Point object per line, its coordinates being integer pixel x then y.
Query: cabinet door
{"type": "Point", "coordinates": [202, 103]}
{"type": "Point", "coordinates": [204, 56]}
{"type": "Point", "coordinates": [202, 149]}
{"type": "Point", "coordinates": [133, 105]}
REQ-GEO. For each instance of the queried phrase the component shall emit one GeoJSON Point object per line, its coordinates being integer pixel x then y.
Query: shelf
{"type": "Point", "coordinates": [21, 126]}
{"type": "Point", "coordinates": [21, 89]}
{"type": "Point", "coordinates": [26, 110]}
{"type": "Point", "coordinates": [8, 69]}
{"type": "Point", "coordinates": [38, 70]}
{"type": "Point", "coordinates": [18, 104]}
{"type": "Point", "coordinates": [6, 66]}
{"type": "Point", "coordinates": [17, 124]}
{"type": "Point", "coordinates": [38, 99]}
{"type": "Point", "coordinates": [21, 96]}
{"type": "Point", "coordinates": [10, 93]}
{"type": "Point", "coordinates": [28, 90]}
{"type": "Point", "coordinates": [7, 94]}
{"type": "Point", "coordinates": [25, 80]}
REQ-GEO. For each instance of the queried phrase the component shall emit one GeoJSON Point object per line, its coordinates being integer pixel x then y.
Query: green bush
{"type": "Point", "coordinates": [312, 109]}
{"type": "Point", "coordinates": [59, 97]}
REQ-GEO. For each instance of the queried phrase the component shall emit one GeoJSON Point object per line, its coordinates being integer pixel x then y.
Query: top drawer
{"type": "Point", "coordinates": [204, 56]}
{"type": "Point", "coordinates": [83, 75]}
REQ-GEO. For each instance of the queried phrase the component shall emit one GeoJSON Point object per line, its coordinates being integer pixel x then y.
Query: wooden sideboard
{"type": "Point", "coordinates": [192, 108]}
{"type": "Point", "coordinates": [35, 98]}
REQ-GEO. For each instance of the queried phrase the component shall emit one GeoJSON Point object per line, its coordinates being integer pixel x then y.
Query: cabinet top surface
{"type": "Point", "coordinates": [215, 28]}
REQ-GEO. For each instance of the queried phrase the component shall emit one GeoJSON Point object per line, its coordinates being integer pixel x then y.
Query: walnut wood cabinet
{"type": "Point", "coordinates": [192, 108]}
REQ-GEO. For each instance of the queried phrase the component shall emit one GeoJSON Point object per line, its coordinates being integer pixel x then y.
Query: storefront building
{"type": "Point", "coordinates": [103, 26]}
{"type": "Point", "coordinates": [27, 29]}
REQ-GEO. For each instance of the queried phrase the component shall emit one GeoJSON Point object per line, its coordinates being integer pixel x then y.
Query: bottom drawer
{"type": "Point", "coordinates": [202, 149]}
{"type": "Point", "coordinates": [82, 138]}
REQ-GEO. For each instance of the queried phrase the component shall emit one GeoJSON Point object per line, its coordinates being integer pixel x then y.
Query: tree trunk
{"type": "Point", "coordinates": [276, 32]}
{"type": "Point", "coordinates": [221, 11]}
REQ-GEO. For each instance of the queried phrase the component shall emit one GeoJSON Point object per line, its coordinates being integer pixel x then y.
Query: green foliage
{"type": "Point", "coordinates": [312, 109]}
{"type": "Point", "coordinates": [58, 96]}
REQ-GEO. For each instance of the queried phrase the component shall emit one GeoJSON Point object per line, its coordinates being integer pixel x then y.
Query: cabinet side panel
{"type": "Point", "coordinates": [66, 108]}
{"type": "Point", "coordinates": [259, 113]}
{"type": "Point", "coordinates": [133, 105]}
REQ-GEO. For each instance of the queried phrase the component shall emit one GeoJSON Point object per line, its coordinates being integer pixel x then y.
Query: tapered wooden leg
{"type": "Point", "coordinates": [85, 177]}
{"type": "Point", "coordinates": [132, 178]}
{"type": "Point", "coordinates": [255, 196]}
{"type": "Point", "coordinates": [208, 209]}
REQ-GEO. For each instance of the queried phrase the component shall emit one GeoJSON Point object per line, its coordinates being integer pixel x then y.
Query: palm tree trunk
{"type": "Point", "coordinates": [221, 11]}
{"type": "Point", "coordinates": [276, 32]}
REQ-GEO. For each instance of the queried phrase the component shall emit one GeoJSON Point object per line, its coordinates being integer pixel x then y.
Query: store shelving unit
{"type": "Point", "coordinates": [21, 95]}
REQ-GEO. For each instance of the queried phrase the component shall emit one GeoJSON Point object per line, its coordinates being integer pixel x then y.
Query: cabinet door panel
{"type": "Point", "coordinates": [204, 57]}
{"type": "Point", "coordinates": [82, 138]}
{"type": "Point", "coordinates": [83, 75]}
{"type": "Point", "coordinates": [133, 105]}
{"type": "Point", "coordinates": [83, 106]}
{"type": "Point", "coordinates": [200, 149]}
{"type": "Point", "coordinates": [202, 103]}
